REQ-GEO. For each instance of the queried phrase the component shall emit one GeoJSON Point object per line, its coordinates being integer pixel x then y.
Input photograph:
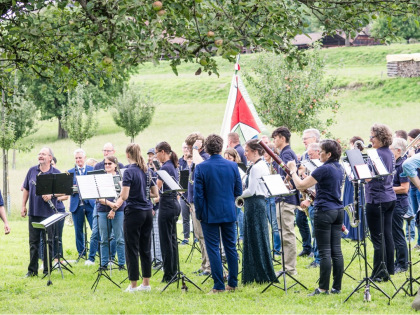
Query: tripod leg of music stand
{"type": "Point", "coordinates": [206, 279]}
{"type": "Point", "coordinates": [359, 286]}
{"type": "Point", "coordinates": [189, 281]}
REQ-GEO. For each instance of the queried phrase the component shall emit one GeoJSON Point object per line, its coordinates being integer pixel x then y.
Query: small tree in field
{"type": "Point", "coordinates": [133, 111]}
{"type": "Point", "coordinates": [290, 95]}
{"type": "Point", "coordinates": [77, 117]}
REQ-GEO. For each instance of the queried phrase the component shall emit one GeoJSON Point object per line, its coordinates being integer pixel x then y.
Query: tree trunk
{"type": "Point", "coordinates": [14, 159]}
{"type": "Point", "coordinates": [62, 134]}
{"type": "Point", "coordinates": [132, 139]}
{"type": "Point", "coordinates": [347, 42]}
{"type": "Point", "coordinates": [5, 181]}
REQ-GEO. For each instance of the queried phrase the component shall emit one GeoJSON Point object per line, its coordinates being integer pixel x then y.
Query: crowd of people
{"type": "Point", "coordinates": [141, 222]}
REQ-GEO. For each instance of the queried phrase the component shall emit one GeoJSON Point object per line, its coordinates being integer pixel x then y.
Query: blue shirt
{"type": "Point", "coordinates": [37, 205]}
{"type": "Point", "coordinates": [418, 172]}
{"type": "Point", "coordinates": [329, 178]}
{"type": "Point", "coordinates": [60, 206]}
{"type": "Point", "coordinates": [380, 190]}
{"type": "Point", "coordinates": [190, 192]}
{"type": "Point", "coordinates": [136, 179]}
{"type": "Point", "coordinates": [241, 153]}
{"type": "Point", "coordinates": [402, 199]}
{"type": "Point", "coordinates": [287, 155]}
{"type": "Point", "coordinates": [169, 167]}
{"type": "Point", "coordinates": [182, 164]}
{"type": "Point", "coordinates": [1, 200]}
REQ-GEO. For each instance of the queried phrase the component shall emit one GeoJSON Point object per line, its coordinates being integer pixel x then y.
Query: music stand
{"type": "Point", "coordinates": [50, 221]}
{"type": "Point", "coordinates": [277, 188]}
{"type": "Point", "coordinates": [98, 186]}
{"type": "Point", "coordinates": [179, 275]}
{"type": "Point", "coordinates": [361, 171]}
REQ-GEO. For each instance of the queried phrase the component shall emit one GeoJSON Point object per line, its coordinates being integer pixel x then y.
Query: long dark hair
{"type": "Point", "coordinates": [134, 153]}
{"type": "Point", "coordinates": [164, 146]}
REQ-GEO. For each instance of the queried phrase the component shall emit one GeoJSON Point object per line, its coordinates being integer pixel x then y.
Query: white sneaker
{"type": "Point", "coordinates": [89, 263]}
{"type": "Point", "coordinates": [129, 289]}
{"type": "Point", "coordinates": [145, 288]}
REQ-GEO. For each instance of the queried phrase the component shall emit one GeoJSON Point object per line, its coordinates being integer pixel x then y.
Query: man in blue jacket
{"type": "Point", "coordinates": [81, 209]}
{"type": "Point", "coordinates": [216, 185]}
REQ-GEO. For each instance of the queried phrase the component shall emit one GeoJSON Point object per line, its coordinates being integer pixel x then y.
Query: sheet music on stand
{"type": "Point", "coordinates": [312, 164]}
{"type": "Point", "coordinates": [378, 165]}
{"type": "Point", "coordinates": [50, 220]}
{"type": "Point", "coordinates": [173, 185]}
{"type": "Point", "coordinates": [96, 186]}
{"type": "Point", "coordinates": [276, 186]}
{"type": "Point", "coordinates": [358, 165]}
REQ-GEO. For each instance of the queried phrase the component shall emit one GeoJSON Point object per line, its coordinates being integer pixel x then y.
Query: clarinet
{"type": "Point", "coordinates": [310, 193]}
{"type": "Point", "coordinates": [49, 201]}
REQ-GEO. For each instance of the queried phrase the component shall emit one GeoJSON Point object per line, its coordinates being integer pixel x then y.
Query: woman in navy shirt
{"type": "Point", "coordinates": [138, 218]}
{"type": "Point", "coordinates": [111, 220]}
{"type": "Point", "coordinates": [328, 213]}
{"type": "Point", "coordinates": [381, 195]}
{"type": "Point", "coordinates": [169, 210]}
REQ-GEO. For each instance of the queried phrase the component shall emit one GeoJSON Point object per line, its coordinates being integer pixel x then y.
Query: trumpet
{"type": "Point", "coordinates": [239, 202]}
{"type": "Point", "coordinates": [415, 144]}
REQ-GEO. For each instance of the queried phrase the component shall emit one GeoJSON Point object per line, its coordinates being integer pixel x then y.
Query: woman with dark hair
{"type": "Point", "coordinates": [232, 155]}
{"type": "Point", "coordinates": [380, 196]}
{"type": "Point", "coordinates": [138, 218]}
{"type": "Point", "coordinates": [328, 213]}
{"type": "Point", "coordinates": [111, 220]}
{"type": "Point", "coordinates": [169, 210]}
{"type": "Point", "coordinates": [256, 260]}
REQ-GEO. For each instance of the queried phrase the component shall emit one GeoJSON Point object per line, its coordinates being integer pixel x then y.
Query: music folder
{"type": "Point", "coordinates": [50, 220]}
{"type": "Point", "coordinates": [173, 185]}
{"type": "Point", "coordinates": [183, 178]}
{"type": "Point", "coordinates": [96, 186]}
{"type": "Point", "coordinates": [276, 186]}
{"type": "Point", "coordinates": [59, 183]}
{"type": "Point", "coordinates": [378, 165]}
{"type": "Point", "coordinates": [358, 166]}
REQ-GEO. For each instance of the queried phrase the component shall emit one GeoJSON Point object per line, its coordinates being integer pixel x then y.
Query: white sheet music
{"type": "Point", "coordinates": [377, 162]}
{"type": "Point", "coordinates": [106, 186]}
{"type": "Point", "coordinates": [173, 185]}
{"type": "Point", "coordinates": [96, 186]}
{"type": "Point", "coordinates": [275, 185]}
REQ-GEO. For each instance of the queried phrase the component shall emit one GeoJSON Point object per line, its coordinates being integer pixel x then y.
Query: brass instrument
{"type": "Point", "coordinates": [352, 209]}
{"type": "Point", "coordinates": [415, 144]}
{"type": "Point", "coordinates": [239, 202]}
{"type": "Point", "coordinates": [362, 144]}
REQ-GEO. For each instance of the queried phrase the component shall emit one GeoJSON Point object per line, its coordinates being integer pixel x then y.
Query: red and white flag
{"type": "Point", "coordinates": [240, 114]}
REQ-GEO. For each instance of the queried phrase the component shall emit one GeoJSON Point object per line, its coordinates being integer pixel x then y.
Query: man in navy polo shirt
{"type": "Point", "coordinates": [287, 205]}
{"type": "Point", "coordinates": [38, 209]}
{"type": "Point", "coordinates": [234, 143]}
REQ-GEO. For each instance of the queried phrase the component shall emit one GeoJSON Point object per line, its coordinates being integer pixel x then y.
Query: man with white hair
{"type": "Point", "coordinates": [81, 208]}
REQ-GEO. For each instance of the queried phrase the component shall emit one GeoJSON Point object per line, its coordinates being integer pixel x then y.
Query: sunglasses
{"type": "Point", "coordinates": [108, 163]}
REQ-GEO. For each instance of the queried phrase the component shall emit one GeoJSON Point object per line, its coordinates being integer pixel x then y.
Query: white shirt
{"type": "Point", "coordinates": [255, 184]}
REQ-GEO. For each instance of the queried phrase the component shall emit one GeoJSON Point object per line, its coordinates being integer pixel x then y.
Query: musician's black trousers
{"type": "Point", "coordinates": [401, 250]}
{"type": "Point", "coordinates": [328, 238]}
{"type": "Point", "coordinates": [374, 224]}
{"type": "Point", "coordinates": [34, 242]}
{"type": "Point", "coordinates": [138, 226]}
{"type": "Point", "coordinates": [169, 210]}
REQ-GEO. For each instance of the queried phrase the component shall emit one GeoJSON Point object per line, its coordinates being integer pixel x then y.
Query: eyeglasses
{"type": "Point", "coordinates": [107, 151]}
{"type": "Point", "coordinates": [371, 137]}
{"type": "Point", "coordinates": [108, 163]}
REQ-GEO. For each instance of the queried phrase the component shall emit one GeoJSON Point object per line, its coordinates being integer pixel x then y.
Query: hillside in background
{"type": "Point", "coordinates": [188, 103]}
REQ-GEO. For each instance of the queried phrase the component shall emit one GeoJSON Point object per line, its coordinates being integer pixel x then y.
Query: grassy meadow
{"type": "Point", "coordinates": [188, 103]}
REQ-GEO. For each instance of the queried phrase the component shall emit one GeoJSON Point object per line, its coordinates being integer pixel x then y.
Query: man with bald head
{"type": "Point", "coordinates": [39, 210]}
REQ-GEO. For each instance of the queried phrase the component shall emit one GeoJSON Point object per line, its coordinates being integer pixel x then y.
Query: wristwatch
{"type": "Point", "coordinates": [195, 147]}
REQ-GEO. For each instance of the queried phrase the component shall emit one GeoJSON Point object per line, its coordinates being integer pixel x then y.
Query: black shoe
{"type": "Point", "coordinates": [313, 264]}
{"type": "Point", "coordinates": [304, 253]}
{"type": "Point", "coordinates": [31, 274]}
{"type": "Point", "coordinates": [121, 267]}
{"type": "Point", "coordinates": [204, 273]}
{"type": "Point", "coordinates": [157, 266]}
{"type": "Point", "coordinates": [198, 271]}
{"type": "Point", "coordinates": [311, 255]}
{"type": "Point", "coordinates": [334, 291]}
{"type": "Point", "coordinates": [399, 270]}
{"type": "Point", "coordinates": [184, 242]}
{"type": "Point", "coordinates": [318, 292]}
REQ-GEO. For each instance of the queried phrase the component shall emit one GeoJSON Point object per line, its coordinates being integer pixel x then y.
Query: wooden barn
{"type": "Point", "coordinates": [303, 41]}
{"type": "Point", "coordinates": [404, 65]}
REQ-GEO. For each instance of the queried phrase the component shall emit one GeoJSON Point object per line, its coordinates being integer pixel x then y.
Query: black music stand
{"type": "Point", "coordinates": [276, 188]}
{"type": "Point", "coordinates": [50, 221]}
{"type": "Point", "coordinates": [362, 172]}
{"type": "Point", "coordinates": [179, 275]}
{"type": "Point", "coordinates": [55, 183]}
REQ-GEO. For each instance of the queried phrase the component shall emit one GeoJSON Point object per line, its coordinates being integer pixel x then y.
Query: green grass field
{"type": "Point", "coordinates": [189, 103]}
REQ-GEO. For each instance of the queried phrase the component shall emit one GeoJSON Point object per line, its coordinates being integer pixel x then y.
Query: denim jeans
{"type": "Point", "coordinates": [311, 212]}
{"type": "Point", "coordinates": [94, 238]}
{"type": "Point", "coordinates": [305, 232]}
{"type": "Point", "coordinates": [328, 236]}
{"type": "Point", "coordinates": [79, 221]}
{"type": "Point", "coordinates": [106, 227]}
{"type": "Point", "coordinates": [412, 224]}
{"type": "Point", "coordinates": [401, 251]}
{"type": "Point", "coordinates": [414, 195]}
{"type": "Point", "coordinates": [240, 220]}
{"type": "Point", "coordinates": [270, 207]}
